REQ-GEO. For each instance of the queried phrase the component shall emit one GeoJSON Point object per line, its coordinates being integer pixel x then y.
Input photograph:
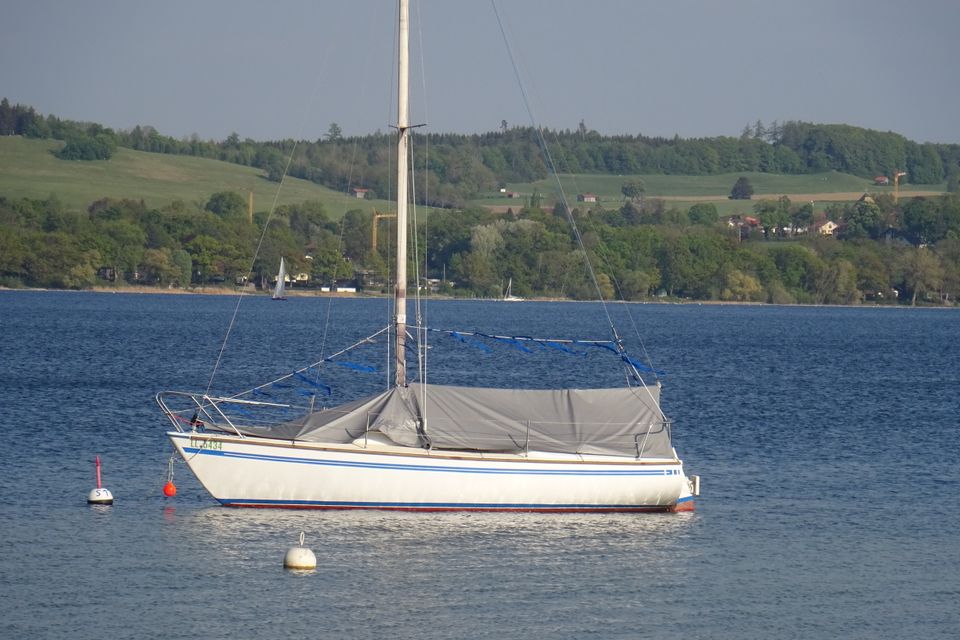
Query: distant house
{"type": "Point", "coordinates": [360, 192]}
{"type": "Point", "coordinates": [738, 220]}
{"type": "Point", "coordinates": [586, 197]}
{"type": "Point", "coordinates": [345, 286]}
{"type": "Point", "coordinates": [826, 227]}
{"type": "Point", "coordinates": [513, 194]}
{"type": "Point", "coordinates": [339, 288]}
{"type": "Point", "coordinates": [881, 181]}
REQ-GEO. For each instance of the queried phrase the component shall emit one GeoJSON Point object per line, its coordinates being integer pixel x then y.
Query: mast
{"type": "Point", "coordinates": [400, 291]}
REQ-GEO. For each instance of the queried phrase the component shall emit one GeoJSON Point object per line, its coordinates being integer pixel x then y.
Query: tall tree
{"type": "Point", "coordinates": [801, 216]}
{"type": "Point", "coordinates": [742, 189]}
{"type": "Point", "coordinates": [8, 120]}
{"type": "Point", "coordinates": [923, 221]}
{"type": "Point", "coordinates": [228, 205]}
{"type": "Point", "coordinates": [759, 131]}
{"type": "Point", "coordinates": [634, 190]}
{"type": "Point", "coordinates": [704, 213]}
{"type": "Point", "coordinates": [862, 220]}
{"type": "Point", "coordinates": [921, 272]}
{"type": "Point", "coordinates": [334, 133]}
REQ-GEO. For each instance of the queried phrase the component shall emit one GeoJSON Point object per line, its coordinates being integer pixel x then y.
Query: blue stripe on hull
{"type": "Point", "coordinates": [432, 468]}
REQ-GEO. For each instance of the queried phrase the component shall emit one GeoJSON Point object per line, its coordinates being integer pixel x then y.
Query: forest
{"type": "Point", "coordinates": [456, 168]}
{"type": "Point", "coordinates": [882, 251]}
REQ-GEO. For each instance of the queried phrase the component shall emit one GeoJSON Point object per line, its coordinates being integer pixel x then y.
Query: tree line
{"type": "Point", "coordinates": [456, 168]}
{"type": "Point", "coordinates": [883, 251]}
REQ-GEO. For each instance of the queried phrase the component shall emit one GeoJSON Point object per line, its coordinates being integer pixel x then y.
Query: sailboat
{"type": "Point", "coordinates": [279, 291]}
{"type": "Point", "coordinates": [433, 447]}
{"type": "Point", "coordinates": [508, 295]}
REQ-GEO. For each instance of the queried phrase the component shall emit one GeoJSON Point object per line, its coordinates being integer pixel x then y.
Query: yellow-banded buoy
{"type": "Point", "coordinates": [100, 495]}
{"type": "Point", "coordinates": [300, 557]}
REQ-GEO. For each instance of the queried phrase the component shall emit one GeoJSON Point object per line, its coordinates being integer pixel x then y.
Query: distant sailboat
{"type": "Point", "coordinates": [279, 291]}
{"type": "Point", "coordinates": [508, 296]}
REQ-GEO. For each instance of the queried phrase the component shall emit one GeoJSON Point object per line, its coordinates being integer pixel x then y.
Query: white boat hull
{"type": "Point", "coordinates": [256, 472]}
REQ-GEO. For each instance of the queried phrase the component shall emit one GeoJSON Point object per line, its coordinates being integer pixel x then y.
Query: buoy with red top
{"type": "Point", "coordinates": [170, 489]}
{"type": "Point", "coordinates": [100, 495]}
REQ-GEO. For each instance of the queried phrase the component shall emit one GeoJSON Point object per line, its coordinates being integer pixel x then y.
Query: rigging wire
{"type": "Point", "coordinates": [273, 207]}
{"type": "Point", "coordinates": [551, 167]}
{"type": "Point", "coordinates": [609, 267]}
{"type": "Point", "coordinates": [256, 254]}
{"type": "Point", "coordinates": [416, 263]}
{"type": "Point", "coordinates": [348, 187]}
{"type": "Point", "coordinates": [633, 321]}
{"type": "Point", "coordinates": [368, 340]}
{"type": "Point", "coordinates": [336, 264]}
{"type": "Point", "coordinates": [422, 347]}
{"type": "Point", "coordinates": [421, 334]}
{"type": "Point", "coordinates": [390, 308]}
{"type": "Point", "coordinates": [308, 105]}
{"type": "Point", "coordinates": [565, 206]}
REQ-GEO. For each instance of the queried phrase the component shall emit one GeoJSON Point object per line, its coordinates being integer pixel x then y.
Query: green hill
{"type": "Point", "coordinates": [28, 169]}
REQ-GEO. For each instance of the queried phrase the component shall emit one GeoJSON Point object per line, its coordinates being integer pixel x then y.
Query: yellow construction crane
{"type": "Point", "coordinates": [897, 174]}
{"type": "Point", "coordinates": [377, 216]}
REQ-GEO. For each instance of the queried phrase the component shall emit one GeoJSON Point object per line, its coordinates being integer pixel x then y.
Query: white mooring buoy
{"type": "Point", "coordinates": [300, 557]}
{"type": "Point", "coordinates": [100, 495]}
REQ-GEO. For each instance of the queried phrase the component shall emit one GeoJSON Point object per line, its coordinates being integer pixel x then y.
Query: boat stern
{"type": "Point", "coordinates": [690, 490]}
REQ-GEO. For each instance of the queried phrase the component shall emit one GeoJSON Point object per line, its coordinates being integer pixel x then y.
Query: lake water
{"type": "Point", "coordinates": [826, 439]}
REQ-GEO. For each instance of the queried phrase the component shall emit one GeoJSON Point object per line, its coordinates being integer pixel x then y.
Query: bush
{"type": "Point", "coordinates": [742, 189]}
{"type": "Point", "coordinates": [83, 147]}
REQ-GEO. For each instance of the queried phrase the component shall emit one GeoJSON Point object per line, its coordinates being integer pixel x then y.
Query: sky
{"type": "Point", "coordinates": [270, 70]}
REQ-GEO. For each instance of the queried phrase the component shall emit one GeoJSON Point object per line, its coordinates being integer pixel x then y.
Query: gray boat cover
{"type": "Point", "coordinates": [623, 421]}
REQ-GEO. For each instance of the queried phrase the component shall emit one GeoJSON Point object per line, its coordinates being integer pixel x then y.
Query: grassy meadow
{"type": "Point", "coordinates": [28, 169]}
{"type": "Point", "coordinates": [684, 191]}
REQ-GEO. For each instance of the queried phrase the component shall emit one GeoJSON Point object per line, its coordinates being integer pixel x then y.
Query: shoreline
{"type": "Point", "coordinates": [220, 291]}
{"type": "Point", "coordinates": [209, 291]}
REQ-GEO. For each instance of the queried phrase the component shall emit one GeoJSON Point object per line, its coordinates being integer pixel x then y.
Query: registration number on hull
{"type": "Point", "coordinates": [198, 443]}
